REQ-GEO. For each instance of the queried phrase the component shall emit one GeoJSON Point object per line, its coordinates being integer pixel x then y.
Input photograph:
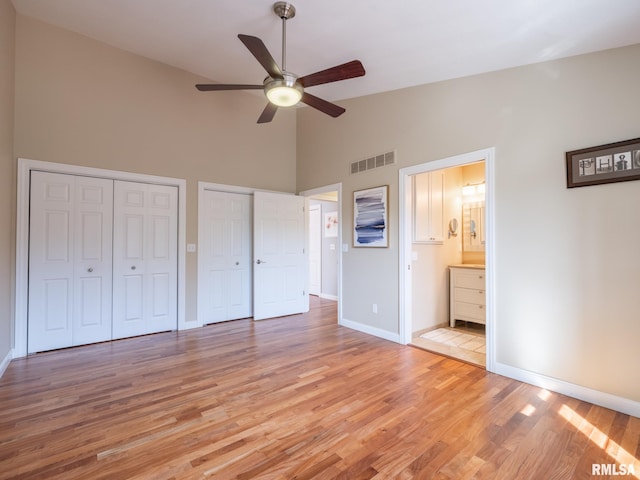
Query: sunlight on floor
{"type": "Point", "coordinates": [615, 451]}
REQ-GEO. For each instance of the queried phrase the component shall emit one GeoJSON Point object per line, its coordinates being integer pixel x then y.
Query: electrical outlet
{"type": "Point", "coordinates": [375, 308]}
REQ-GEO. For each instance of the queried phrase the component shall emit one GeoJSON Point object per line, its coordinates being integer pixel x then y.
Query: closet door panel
{"type": "Point", "coordinates": [226, 256]}
{"type": "Point", "coordinates": [69, 261]}
{"type": "Point", "coordinates": [161, 263]}
{"type": "Point", "coordinates": [145, 258]}
{"type": "Point", "coordinates": [128, 259]}
{"type": "Point", "coordinates": [92, 260]}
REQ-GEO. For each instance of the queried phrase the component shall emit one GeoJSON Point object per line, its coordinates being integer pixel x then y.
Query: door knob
{"type": "Point", "coordinates": [237, 263]}
{"type": "Point", "coordinates": [260, 261]}
{"type": "Point", "coordinates": [90, 269]}
{"type": "Point", "coordinates": [133, 267]}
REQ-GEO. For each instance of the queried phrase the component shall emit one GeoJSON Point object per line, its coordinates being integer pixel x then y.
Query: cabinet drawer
{"type": "Point", "coordinates": [464, 311]}
{"type": "Point", "coordinates": [468, 278]}
{"type": "Point", "coordinates": [470, 295]}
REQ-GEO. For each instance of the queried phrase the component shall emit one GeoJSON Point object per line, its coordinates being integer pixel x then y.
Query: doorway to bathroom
{"type": "Point", "coordinates": [446, 257]}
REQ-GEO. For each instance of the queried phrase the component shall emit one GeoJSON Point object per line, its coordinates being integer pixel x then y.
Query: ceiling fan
{"type": "Point", "coordinates": [283, 88]}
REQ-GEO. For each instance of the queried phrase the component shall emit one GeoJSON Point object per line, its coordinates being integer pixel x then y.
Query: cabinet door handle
{"type": "Point", "coordinates": [480, 277]}
{"type": "Point", "coordinates": [481, 292]}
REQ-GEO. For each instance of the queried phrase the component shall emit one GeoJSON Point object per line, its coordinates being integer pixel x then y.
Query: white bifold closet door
{"type": "Point", "coordinates": [226, 256]}
{"type": "Point", "coordinates": [145, 279]}
{"type": "Point", "coordinates": [70, 232]}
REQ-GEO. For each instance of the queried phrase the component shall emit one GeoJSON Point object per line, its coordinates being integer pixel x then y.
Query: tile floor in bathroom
{"type": "Point", "coordinates": [465, 342]}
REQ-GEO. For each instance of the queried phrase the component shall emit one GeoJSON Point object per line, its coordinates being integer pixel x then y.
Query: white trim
{"type": "Point", "coordinates": [619, 404]}
{"type": "Point", "coordinates": [368, 329]}
{"type": "Point", "coordinates": [5, 362]}
{"type": "Point", "coordinates": [336, 187]}
{"type": "Point", "coordinates": [404, 202]}
{"type": "Point", "coordinates": [25, 166]}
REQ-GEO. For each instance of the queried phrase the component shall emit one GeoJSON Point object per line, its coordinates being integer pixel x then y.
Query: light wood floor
{"type": "Point", "coordinates": [296, 397]}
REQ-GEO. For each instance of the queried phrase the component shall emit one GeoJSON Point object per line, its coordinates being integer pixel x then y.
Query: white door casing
{"type": "Point", "coordinates": [226, 256]}
{"type": "Point", "coordinates": [315, 249]}
{"type": "Point", "coordinates": [280, 262]}
{"type": "Point", "coordinates": [70, 261]}
{"type": "Point", "coordinates": [144, 258]}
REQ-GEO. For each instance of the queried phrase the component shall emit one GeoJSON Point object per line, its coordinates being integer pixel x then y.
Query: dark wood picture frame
{"type": "Point", "coordinates": [613, 162]}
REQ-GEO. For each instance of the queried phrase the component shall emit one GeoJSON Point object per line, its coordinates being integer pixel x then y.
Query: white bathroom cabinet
{"type": "Point", "coordinates": [467, 294]}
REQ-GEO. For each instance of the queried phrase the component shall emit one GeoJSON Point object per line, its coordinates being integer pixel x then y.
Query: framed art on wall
{"type": "Point", "coordinates": [613, 162]}
{"type": "Point", "coordinates": [370, 217]}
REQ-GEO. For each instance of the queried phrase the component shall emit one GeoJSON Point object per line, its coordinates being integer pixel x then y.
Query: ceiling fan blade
{"type": "Point", "coordinates": [268, 113]}
{"type": "Point", "coordinates": [210, 87]}
{"type": "Point", "coordinates": [325, 107]}
{"type": "Point", "coordinates": [347, 70]}
{"type": "Point", "coordinates": [259, 50]}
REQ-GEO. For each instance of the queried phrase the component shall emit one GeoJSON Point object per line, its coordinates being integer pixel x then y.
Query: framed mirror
{"type": "Point", "coordinates": [473, 227]}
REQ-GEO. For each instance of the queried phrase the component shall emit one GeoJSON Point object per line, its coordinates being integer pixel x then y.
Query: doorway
{"type": "Point", "coordinates": [435, 234]}
{"type": "Point", "coordinates": [323, 245]}
{"type": "Point", "coordinates": [324, 242]}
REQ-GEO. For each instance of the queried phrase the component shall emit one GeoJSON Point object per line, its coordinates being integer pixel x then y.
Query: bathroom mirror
{"type": "Point", "coordinates": [473, 227]}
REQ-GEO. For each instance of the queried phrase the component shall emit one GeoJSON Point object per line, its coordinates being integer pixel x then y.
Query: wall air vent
{"type": "Point", "coordinates": [370, 163]}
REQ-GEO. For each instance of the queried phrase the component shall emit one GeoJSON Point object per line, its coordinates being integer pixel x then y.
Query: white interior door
{"type": "Point", "coordinates": [69, 261]}
{"type": "Point", "coordinates": [315, 249]}
{"type": "Point", "coordinates": [280, 263]}
{"type": "Point", "coordinates": [144, 258]}
{"type": "Point", "coordinates": [226, 256]}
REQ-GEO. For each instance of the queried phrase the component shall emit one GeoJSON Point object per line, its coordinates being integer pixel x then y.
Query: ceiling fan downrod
{"type": "Point", "coordinates": [285, 11]}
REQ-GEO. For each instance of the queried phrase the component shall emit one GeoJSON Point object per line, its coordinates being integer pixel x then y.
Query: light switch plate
{"type": "Point", "coordinates": [191, 247]}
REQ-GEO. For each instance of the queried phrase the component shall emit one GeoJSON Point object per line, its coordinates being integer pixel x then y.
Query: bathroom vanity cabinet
{"type": "Point", "coordinates": [467, 294]}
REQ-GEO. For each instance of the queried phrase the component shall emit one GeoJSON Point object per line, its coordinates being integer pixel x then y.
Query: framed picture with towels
{"type": "Point", "coordinates": [371, 217]}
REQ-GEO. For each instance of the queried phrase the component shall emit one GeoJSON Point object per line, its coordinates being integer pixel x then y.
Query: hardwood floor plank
{"type": "Point", "coordinates": [294, 397]}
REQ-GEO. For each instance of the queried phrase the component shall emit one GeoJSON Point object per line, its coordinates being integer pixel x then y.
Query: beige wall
{"type": "Point", "coordinates": [7, 35]}
{"type": "Point", "coordinates": [81, 102]}
{"type": "Point", "coordinates": [566, 260]}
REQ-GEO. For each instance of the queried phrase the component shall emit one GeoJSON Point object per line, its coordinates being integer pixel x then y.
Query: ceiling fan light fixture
{"type": "Point", "coordinates": [283, 92]}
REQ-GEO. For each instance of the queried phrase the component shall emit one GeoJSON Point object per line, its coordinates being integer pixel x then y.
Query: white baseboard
{"type": "Point", "coordinates": [376, 332]}
{"type": "Point", "coordinates": [329, 297]}
{"type": "Point", "coordinates": [607, 400]}
{"type": "Point", "coordinates": [5, 363]}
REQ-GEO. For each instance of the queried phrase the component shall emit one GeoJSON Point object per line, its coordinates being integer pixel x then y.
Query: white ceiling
{"type": "Point", "coordinates": [401, 43]}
